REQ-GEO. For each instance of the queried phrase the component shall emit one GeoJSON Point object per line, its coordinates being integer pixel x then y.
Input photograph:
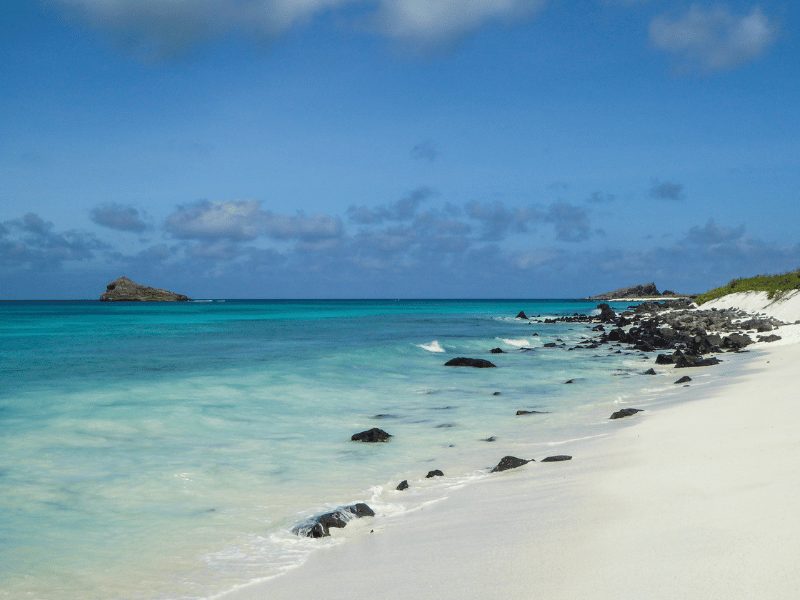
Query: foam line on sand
{"type": "Point", "coordinates": [695, 500]}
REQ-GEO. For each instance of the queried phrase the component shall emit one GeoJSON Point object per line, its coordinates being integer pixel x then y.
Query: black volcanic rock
{"type": "Point", "coordinates": [509, 462]}
{"type": "Point", "coordinates": [319, 526]}
{"type": "Point", "coordinates": [559, 458]}
{"type": "Point", "coordinates": [461, 361]}
{"type": "Point", "coordinates": [497, 351]}
{"type": "Point", "coordinates": [684, 379]}
{"type": "Point", "coordinates": [521, 315]}
{"type": "Point", "coordinates": [403, 485]}
{"type": "Point", "coordinates": [371, 435]}
{"type": "Point", "coordinates": [625, 412]}
{"type": "Point", "coordinates": [125, 290]}
{"type": "Point", "coordinates": [689, 360]}
{"type": "Point", "coordinates": [607, 314]}
{"type": "Point", "coordinates": [736, 341]}
{"type": "Point", "coordinates": [434, 473]}
{"type": "Point", "coordinates": [769, 338]}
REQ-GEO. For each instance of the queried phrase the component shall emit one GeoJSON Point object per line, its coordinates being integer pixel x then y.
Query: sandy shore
{"type": "Point", "coordinates": [697, 499]}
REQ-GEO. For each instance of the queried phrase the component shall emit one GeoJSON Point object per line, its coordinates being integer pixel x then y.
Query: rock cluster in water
{"type": "Point", "coordinates": [125, 290]}
{"type": "Point", "coordinates": [684, 335]}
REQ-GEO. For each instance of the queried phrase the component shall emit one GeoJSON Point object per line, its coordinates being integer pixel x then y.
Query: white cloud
{"type": "Point", "coordinates": [714, 39]}
{"type": "Point", "coordinates": [239, 220]}
{"type": "Point", "coordinates": [436, 21]}
{"type": "Point", "coordinates": [159, 28]}
{"type": "Point", "coordinates": [232, 219]}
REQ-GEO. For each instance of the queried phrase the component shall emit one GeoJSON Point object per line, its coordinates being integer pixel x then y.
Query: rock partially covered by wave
{"type": "Point", "coordinates": [320, 525]}
{"type": "Point", "coordinates": [125, 290]}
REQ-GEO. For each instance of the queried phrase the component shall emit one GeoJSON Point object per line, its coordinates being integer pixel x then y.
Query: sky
{"type": "Point", "coordinates": [396, 148]}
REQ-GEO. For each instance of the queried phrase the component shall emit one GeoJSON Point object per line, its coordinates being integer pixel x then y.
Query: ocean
{"type": "Point", "coordinates": [165, 450]}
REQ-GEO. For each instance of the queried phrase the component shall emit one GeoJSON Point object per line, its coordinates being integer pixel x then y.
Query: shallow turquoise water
{"type": "Point", "coordinates": [164, 450]}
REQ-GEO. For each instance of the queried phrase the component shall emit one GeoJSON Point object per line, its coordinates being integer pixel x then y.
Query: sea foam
{"type": "Point", "coordinates": [434, 346]}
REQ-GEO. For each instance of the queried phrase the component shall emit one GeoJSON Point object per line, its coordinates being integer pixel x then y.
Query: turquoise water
{"type": "Point", "coordinates": [165, 450]}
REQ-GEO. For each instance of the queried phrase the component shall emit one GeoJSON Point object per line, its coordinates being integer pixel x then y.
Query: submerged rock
{"type": "Point", "coordinates": [684, 379]}
{"type": "Point", "coordinates": [125, 290]}
{"type": "Point", "coordinates": [461, 361]}
{"type": "Point", "coordinates": [529, 412]}
{"type": "Point", "coordinates": [371, 435]}
{"type": "Point", "coordinates": [559, 458]}
{"type": "Point", "coordinates": [434, 473]}
{"type": "Point", "coordinates": [403, 485]}
{"type": "Point", "coordinates": [625, 412]}
{"type": "Point", "coordinates": [509, 462]}
{"type": "Point", "coordinates": [319, 526]}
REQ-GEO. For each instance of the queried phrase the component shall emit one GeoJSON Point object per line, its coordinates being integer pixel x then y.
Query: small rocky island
{"type": "Point", "coordinates": [125, 290]}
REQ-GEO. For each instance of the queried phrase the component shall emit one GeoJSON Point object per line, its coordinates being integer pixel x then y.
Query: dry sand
{"type": "Point", "coordinates": [697, 500]}
{"type": "Point", "coordinates": [786, 308]}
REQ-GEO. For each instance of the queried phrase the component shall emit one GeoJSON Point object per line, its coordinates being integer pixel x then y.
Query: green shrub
{"type": "Point", "coordinates": [774, 285]}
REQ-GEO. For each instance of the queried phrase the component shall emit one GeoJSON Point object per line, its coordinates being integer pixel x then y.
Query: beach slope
{"type": "Point", "coordinates": [695, 500]}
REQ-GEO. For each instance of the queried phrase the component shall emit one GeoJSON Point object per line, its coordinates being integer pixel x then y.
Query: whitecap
{"type": "Point", "coordinates": [434, 346]}
{"type": "Point", "coordinates": [523, 343]}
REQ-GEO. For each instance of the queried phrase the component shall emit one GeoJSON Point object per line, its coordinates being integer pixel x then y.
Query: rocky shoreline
{"type": "Point", "coordinates": [678, 326]}
{"type": "Point", "coordinates": [648, 291]}
{"type": "Point", "coordinates": [679, 333]}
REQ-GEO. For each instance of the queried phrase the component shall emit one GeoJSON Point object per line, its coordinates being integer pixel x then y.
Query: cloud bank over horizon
{"type": "Point", "coordinates": [394, 250]}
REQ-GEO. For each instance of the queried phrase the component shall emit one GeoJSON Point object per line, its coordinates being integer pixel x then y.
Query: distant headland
{"type": "Point", "coordinates": [648, 290]}
{"type": "Point", "coordinates": [125, 290]}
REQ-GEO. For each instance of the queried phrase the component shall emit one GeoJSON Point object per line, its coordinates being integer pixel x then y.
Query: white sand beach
{"type": "Point", "coordinates": [694, 499]}
{"type": "Point", "coordinates": [786, 308]}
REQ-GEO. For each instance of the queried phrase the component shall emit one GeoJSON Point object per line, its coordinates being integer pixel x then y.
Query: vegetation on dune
{"type": "Point", "coordinates": [774, 285]}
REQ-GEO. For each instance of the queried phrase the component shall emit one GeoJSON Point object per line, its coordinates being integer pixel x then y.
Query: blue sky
{"type": "Point", "coordinates": [396, 148]}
